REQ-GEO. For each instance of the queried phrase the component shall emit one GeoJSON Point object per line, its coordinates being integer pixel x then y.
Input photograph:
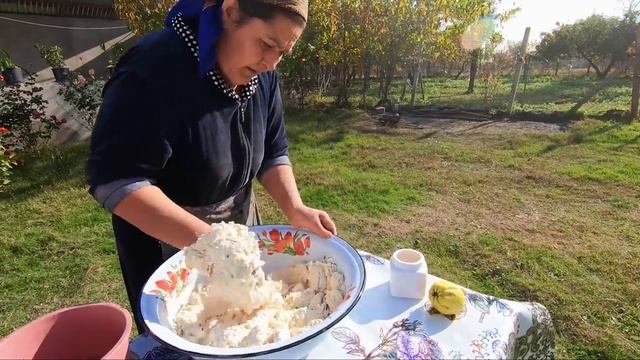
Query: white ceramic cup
{"type": "Point", "coordinates": [408, 274]}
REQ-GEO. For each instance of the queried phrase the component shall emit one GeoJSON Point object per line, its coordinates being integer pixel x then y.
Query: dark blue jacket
{"type": "Point", "coordinates": [160, 121]}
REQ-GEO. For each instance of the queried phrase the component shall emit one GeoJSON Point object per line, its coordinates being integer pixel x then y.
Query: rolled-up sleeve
{"type": "Point", "coordinates": [128, 145]}
{"type": "Point", "coordinates": [111, 194]}
{"type": "Point", "coordinates": [276, 147]}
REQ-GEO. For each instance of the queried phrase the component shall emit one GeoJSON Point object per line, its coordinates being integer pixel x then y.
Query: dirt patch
{"type": "Point", "coordinates": [430, 126]}
{"type": "Point", "coordinates": [453, 126]}
{"type": "Point", "coordinates": [453, 121]}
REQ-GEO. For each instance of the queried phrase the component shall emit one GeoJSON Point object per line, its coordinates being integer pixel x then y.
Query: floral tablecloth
{"type": "Point", "coordinates": [382, 326]}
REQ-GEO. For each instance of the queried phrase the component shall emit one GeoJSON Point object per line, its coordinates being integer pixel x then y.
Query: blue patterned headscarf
{"type": "Point", "coordinates": [209, 28]}
{"type": "Point", "coordinates": [210, 24]}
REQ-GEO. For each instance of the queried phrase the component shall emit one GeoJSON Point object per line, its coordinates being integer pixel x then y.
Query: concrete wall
{"type": "Point", "coordinates": [18, 39]}
{"type": "Point", "coordinates": [81, 49]}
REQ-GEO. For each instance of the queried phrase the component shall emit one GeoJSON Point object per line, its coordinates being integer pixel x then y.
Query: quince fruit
{"type": "Point", "coordinates": [446, 298]}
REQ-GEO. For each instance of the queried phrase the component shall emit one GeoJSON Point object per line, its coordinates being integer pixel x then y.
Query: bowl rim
{"type": "Point", "coordinates": [320, 331]}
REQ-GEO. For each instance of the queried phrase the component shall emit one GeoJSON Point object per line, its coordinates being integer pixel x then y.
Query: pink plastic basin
{"type": "Point", "coordinates": [94, 331]}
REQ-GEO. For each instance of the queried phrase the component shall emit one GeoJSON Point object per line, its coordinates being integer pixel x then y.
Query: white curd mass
{"type": "Point", "coordinates": [237, 305]}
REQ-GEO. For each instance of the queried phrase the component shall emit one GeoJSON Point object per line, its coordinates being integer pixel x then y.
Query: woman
{"type": "Point", "coordinates": [191, 115]}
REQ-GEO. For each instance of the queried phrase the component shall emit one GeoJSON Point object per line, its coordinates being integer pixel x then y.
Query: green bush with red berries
{"type": "Point", "coordinates": [24, 124]}
{"type": "Point", "coordinates": [22, 113]}
{"type": "Point", "coordinates": [85, 95]}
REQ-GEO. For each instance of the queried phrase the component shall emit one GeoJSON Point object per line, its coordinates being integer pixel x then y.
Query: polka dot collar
{"type": "Point", "coordinates": [186, 34]}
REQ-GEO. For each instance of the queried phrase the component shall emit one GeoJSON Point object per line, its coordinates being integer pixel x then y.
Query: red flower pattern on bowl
{"type": "Point", "coordinates": [295, 244]}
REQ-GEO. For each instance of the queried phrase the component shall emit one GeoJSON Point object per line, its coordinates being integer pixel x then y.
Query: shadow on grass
{"type": "Point", "coordinates": [376, 130]}
{"type": "Point", "coordinates": [336, 136]}
{"type": "Point", "coordinates": [635, 140]}
{"type": "Point", "coordinates": [579, 137]}
{"type": "Point", "coordinates": [46, 169]}
{"type": "Point", "coordinates": [331, 125]}
{"type": "Point", "coordinates": [427, 135]}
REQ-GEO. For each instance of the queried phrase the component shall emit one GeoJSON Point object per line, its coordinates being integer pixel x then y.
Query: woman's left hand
{"type": "Point", "coordinates": [313, 220]}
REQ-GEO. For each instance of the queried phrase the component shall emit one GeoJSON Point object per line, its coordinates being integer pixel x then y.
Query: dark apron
{"type": "Point", "coordinates": [140, 254]}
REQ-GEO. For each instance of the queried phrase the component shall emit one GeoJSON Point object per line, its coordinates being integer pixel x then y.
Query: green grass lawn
{"type": "Point", "coordinates": [551, 218]}
{"type": "Point", "coordinates": [541, 93]}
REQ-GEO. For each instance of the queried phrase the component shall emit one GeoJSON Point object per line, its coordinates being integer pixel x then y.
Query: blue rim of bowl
{"type": "Point", "coordinates": [356, 299]}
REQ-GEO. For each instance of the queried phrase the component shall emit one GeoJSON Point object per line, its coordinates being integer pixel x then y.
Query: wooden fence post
{"type": "Point", "coordinates": [635, 93]}
{"type": "Point", "coordinates": [518, 70]}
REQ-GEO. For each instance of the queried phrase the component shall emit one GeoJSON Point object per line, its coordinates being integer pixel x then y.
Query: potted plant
{"type": "Point", "coordinates": [11, 73]}
{"type": "Point", "coordinates": [53, 56]}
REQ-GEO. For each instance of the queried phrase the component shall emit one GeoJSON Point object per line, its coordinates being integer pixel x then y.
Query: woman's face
{"type": "Point", "coordinates": [254, 46]}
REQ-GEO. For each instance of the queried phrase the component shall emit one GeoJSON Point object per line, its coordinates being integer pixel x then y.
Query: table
{"type": "Point", "coordinates": [381, 326]}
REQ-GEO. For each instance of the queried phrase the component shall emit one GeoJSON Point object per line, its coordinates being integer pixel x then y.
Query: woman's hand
{"type": "Point", "coordinates": [281, 185]}
{"type": "Point", "coordinates": [151, 211]}
{"type": "Point", "coordinates": [313, 220]}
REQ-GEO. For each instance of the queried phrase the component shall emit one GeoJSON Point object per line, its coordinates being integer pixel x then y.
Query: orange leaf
{"type": "Point", "coordinates": [164, 285]}
{"type": "Point", "coordinates": [274, 235]}
{"type": "Point", "coordinates": [184, 272]}
{"type": "Point", "coordinates": [280, 245]}
{"type": "Point", "coordinates": [288, 238]}
{"type": "Point", "coordinates": [298, 247]}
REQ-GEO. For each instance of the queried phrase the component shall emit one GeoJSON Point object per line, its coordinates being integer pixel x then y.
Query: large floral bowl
{"type": "Point", "coordinates": [281, 246]}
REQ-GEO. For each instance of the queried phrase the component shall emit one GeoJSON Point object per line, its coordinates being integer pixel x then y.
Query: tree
{"type": "Point", "coordinates": [473, 72]}
{"type": "Point", "coordinates": [554, 47]}
{"type": "Point", "coordinates": [601, 41]}
{"type": "Point", "coordinates": [296, 71]}
{"type": "Point", "coordinates": [631, 11]}
{"type": "Point", "coordinates": [448, 22]}
{"type": "Point", "coordinates": [483, 34]}
{"type": "Point", "coordinates": [345, 39]}
{"type": "Point", "coordinates": [392, 36]}
{"type": "Point", "coordinates": [419, 30]}
{"type": "Point", "coordinates": [370, 12]}
{"type": "Point", "coordinates": [143, 16]}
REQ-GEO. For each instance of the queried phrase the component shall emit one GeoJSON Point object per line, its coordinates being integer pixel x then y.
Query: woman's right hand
{"type": "Point", "coordinates": [313, 220]}
{"type": "Point", "coordinates": [151, 211]}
